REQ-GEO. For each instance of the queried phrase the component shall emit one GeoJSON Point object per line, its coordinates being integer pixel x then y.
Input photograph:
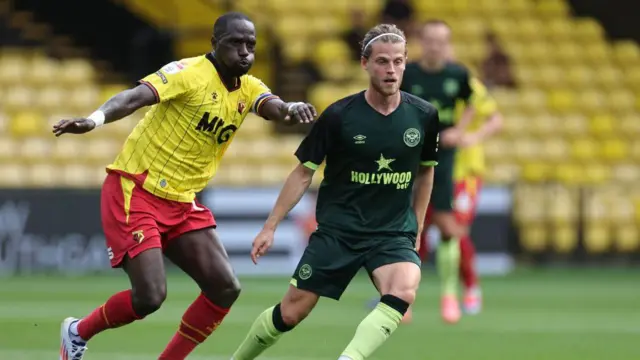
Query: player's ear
{"type": "Point", "coordinates": [363, 62]}
{"type": "Point", "coordinates": [213, 42]}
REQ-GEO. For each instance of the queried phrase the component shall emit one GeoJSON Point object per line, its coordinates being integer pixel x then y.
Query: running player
{"type": "Point", "coordinates": [441, 82]}
{"type": "Point", "coordinates": [468, 172]}
{"type": "Point", "coordinates": [148, 201]}
{"type": "Point", "coordinates": [380, 146]}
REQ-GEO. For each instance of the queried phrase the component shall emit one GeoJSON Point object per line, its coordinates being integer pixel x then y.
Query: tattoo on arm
{"type": "Point", "coordinates": [127, 102]}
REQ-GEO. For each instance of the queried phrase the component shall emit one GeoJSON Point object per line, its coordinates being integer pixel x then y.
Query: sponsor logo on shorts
{"type": "Point", "coordinates": [411, 137]}
{"type": "Point", "coordinates": [138, 236]}
{"type": "Point", "coordinates": [305, 272]}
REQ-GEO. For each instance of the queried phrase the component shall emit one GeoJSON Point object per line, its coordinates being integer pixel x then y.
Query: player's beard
{"type": "Point", "coordinates": [383, 89]}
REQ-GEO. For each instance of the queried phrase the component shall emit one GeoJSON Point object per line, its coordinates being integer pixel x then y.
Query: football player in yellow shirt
{"type": "Point", "coordinates": [468, 171]}
{"type": "Point", "coordinates": [148, 204]}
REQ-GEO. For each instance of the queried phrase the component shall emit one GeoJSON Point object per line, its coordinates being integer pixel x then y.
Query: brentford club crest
{"type": "Point", "coordinates": [241, 106]}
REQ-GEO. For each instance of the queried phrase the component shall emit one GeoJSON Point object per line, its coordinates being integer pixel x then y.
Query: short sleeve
{"type": "Point", "coordinates": [320, 141]}
{"type": "Point", "coordinates": [168, 82]}
{"type": "Point", "coordinates": [465, 87]}
{"type": "Point", "coordinates": [481, 100]}
{"type": "Point", "coordinates": [259, 94]}
{"type": "Point", "coordinates": [429, 155]}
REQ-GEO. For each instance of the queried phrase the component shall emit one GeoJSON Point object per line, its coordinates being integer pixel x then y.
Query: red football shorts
{"type": "Point", "coordinates": [465, 203]}
{"type": "Point", "coordinates": [134, 220]}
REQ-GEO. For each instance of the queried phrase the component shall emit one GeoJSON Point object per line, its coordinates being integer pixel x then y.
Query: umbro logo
{"type": "Point", "coordinates": [359, 139]}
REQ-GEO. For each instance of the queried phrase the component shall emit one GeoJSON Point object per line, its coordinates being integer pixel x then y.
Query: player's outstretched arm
{"type": "Point", "coordinates": [122, 104]}
{"type": "Point", "coordinates": [294, 187]}
{"type": "Point", "coordinates": [288, 112]}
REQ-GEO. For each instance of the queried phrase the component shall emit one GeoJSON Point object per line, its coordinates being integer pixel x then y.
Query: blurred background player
{"type": "Point", "coordinates": [380, 147]}
{"type": "Point", "coordinates": [443, 83]}
{"type": "Point", "coordinates": [148, 198]}
{"type": "Point", "coordinates": [469, 167]}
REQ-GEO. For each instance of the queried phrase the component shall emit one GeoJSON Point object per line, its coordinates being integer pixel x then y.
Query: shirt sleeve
{"type": "Point", "coordinates": [320, 141]}
{"type": "Point", "coordinates": [169, 82]}
{"type": "Point", "coordinates": [465, 88]}
{"type": "Point", "coordinates": [429, 156]}
{"type": "Point", "coordinates": [260, 94]}
{"type": "Point", "coordinates": [481, 100]}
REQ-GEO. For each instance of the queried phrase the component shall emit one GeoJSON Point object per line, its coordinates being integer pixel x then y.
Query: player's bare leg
{"type": "Point", "coordinates": [398, 284]}
{"type": "Point", "coordinates": [148, 291]}
{"type": "Point", "coordinates": [472, 301]}
{"type": "Point", "coordinates": [200, 255]}
{"type": "Point", "coordinates": [448, 262]}
{"type": "Point", "coordinates": [275, 321]}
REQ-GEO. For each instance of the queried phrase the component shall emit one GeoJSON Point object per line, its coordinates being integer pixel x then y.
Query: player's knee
{"type": "Point", "coordinates": [148, 300]}
{"type": "Point", "coordinates": [222, 291]}
{"type": "Point", "coordinates": [406, 295]}
{"type": "Point", "coordinates": [296, 306]}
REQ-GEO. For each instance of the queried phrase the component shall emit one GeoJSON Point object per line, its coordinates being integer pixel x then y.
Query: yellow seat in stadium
{"type": "Point", "coordinates": [292, 26]}
{"type": "Point", "coordinates": [591, 101]}
{"type": "Point", "coordinates": [626, 173]}
{"type": "Point", "coordinates": [602, 125]}
{"type": "Point", "coordinates": [550, 77]}
{"type": "Point", "coordinates": [77, 175]}
{"type": "Point", "coordinates": [8, 148]}
{"type": "Point", "coordinates": [43, 71]}
{"type": "Point", "coordinates": [614, 149]}
{"type": "Point", "coordinates": [554, 149]}
{"type": "Point", "coordinates": [535, 171]}
{"type": "Point", "coordinates": [43, 175]}
{"type": "Point", "coordinates": [533, 238]}
{"type": "Point", "coordinates": [584, 149]}
{"type": "Point", "coordinates": [632, 78]}
{"type": "Point", "coordinates": [568, 173]}
{"type": "Point", "coordinates": [532, 100]}
{"type": "Point", "coordinates": [50, 98]}
{"type": "Point", "coordinates": [587, 30]}
{"type": "Point", "coordinates": [597, 238]}
{"type": "Point", "coordinates": [558, 29]}
{"type": "Point", "coordinates": [68, 148]}
{"type": "Point", "coordinates": [27, 123]}
{"type": "Point", "coordinates": [561, 101]}
{"type": "Point", "coordinates": [621, 101]}
{"type": "Point", "coordinates": [564, 238]}
{"type": "Point", "coordinates": [634, 151]}
{"type": "Point", "coordinates": [296, 50]}
{"type": "Point", "coordinates": [573, 125]}
{"type": "Point", "coordinates": [322, 95]}
{"type": "Point", "coordinates": [13, 69]}
{"type": "Point", "coordinates": [626, 52]}
{"type": "Point", "coordinates": [502, 173]}
{"type": "Point", "coordinates": [13, 175]}
{"type": "Point", "coordinates": [528, 29]}
{"type": "Point", "coordinates": [627, 238]}
{"type": "Point", "coordinates": [101, 150]}
{"type": "Point", "coordinates": [552, 8]}
{"type": "Point", "coordinates": [108, 91]}
{"type": "Point", "coordinates": [35, 149]}
{"type": "Point", "coordinates": [19, 98]}
{"type": "Point", "coordinates": [84, 98]}
{"type": "Point", "coordinates": [76, 71]}
{"type": "Point", "coordinates": [578, 76]}
{"type": "Point", "coordinates": [597, 54]}
{"type": "Point", "coordinates": [569, 54]}
{"type": "Point", "coordinates": [629, 124]}
{"type": "Point", "coordinates": [608, 77]}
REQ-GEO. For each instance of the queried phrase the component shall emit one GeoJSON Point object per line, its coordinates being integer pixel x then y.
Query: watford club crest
{"type": "Point", "coordinates": [241, 107]}
{"type": "Point", "coordinates": [214, 97]}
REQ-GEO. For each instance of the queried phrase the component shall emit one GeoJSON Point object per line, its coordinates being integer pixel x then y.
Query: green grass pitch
{"type": "Point", "coordinates": [529, 315]}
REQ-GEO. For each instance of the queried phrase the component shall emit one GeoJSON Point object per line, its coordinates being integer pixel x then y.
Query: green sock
{"type": "Point", "coordinates": [374, 330]}
{"type": "Point", "coordinates": [261, 336]}
{"type": "Point", "coordinates": [448, 261]}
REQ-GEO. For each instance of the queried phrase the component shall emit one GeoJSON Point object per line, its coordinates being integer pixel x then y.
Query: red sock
{"type": "Point", "coordinates": [467, 262]}
{"type": "Point", "coordinates": [198, 322]}
{"type": "Point", "coordinates": [424, 246]}
{"type": "Point", "coordinates": [117, 311]}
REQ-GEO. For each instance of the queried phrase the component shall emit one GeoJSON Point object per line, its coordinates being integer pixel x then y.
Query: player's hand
{"type": "Point", "coordinates": [261, 244]}
{"type": "Point", "coordinates": [300, 112]}
{"type": "Point", "coordinates": [469, 139]}
{"type": "Point", "coordinates": [73, 126]}
{"type": "Point", "coordinates": [450, 137]}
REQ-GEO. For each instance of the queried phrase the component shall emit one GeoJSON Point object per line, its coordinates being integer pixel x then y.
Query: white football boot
{"type": "Point", "coordinates": [72, 346]}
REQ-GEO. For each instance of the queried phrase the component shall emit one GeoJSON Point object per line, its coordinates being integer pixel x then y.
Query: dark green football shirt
{"type": "Point", "coordinates": [441, 88]}
{"type": "Point", "coordinates": [371, 163]}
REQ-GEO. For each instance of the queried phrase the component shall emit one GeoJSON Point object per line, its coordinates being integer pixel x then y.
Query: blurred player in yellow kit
{"type": "Point", "coordinates": [468, 171]}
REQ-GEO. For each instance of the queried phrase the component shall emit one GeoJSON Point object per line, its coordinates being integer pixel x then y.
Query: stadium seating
{"type": "Point", "coordinates": [570, 124]}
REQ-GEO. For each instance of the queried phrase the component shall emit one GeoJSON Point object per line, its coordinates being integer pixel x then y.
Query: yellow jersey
{"type": "Point", "coordinates": [175, 150]}
{"type": "Point", "coordinates": [470, 161]}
